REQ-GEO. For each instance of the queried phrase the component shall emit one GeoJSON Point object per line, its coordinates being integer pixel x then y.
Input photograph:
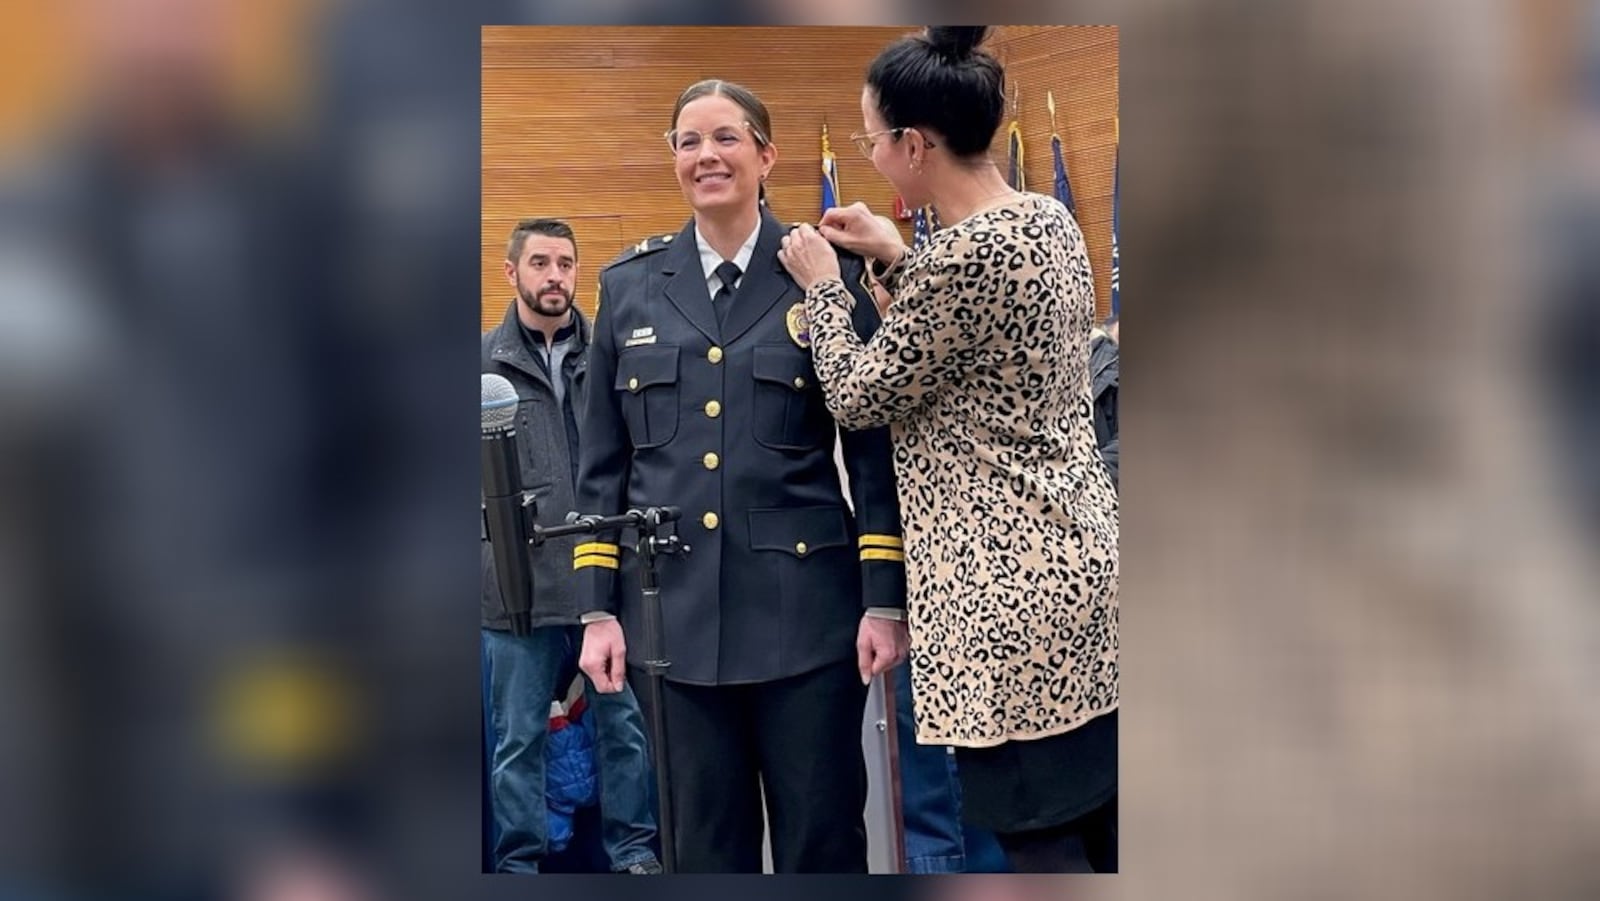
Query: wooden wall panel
{"type": "Point", "coordinates": [1078, 64]}
{"type": "Point", "coordinates": [573, 117]}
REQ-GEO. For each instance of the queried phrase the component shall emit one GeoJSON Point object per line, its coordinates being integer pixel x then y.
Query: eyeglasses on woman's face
{"type": "Point", "coordinates": [866, 140]}
{"type": "Point", "coordinates": [724, 137]}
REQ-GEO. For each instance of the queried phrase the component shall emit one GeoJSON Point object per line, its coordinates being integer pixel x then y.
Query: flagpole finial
{"type": "Point", "coordinates": [1050, 101]}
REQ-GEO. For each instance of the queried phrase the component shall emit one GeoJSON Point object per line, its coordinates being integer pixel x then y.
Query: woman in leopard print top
{"type": "Point", "coordinates": [981, 371]}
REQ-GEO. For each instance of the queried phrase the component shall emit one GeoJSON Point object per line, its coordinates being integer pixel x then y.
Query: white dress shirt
{"type": "Point", "coordinates": [710, 259]}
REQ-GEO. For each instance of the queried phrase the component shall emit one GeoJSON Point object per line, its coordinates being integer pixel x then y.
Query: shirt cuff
{"type": "Point", "coordinates": [596, 616]}
{"type": "Point", "coordinates": [890, 274]}
{"type": "Point", "coordinates": [819, 288]}
{"type": "Point", "coordinates": [894, 613]}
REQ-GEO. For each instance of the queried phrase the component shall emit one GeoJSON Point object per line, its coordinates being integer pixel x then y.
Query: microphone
{"type": "Point", "coordinates": [503, 512]}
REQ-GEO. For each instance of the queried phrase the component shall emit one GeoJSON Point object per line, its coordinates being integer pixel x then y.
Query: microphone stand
{"type": "Point", "coordinates": [647, 523]}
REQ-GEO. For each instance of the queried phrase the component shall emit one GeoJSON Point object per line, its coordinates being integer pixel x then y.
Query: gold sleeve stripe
{"type": "Point", "coordinates": [890, 541]}
{"type": "Point", "coordinates": [875, 554]}
{"type": "Point", "coordinates": [595, 560]}
{"type": "Point", "coordinates": [597, 547]}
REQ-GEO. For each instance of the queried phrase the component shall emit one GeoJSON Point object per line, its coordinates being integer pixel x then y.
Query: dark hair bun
{"type": "Point", "coordinates": [956, 42]}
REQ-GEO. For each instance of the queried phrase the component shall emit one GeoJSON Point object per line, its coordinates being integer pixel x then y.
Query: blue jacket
{"type": "Point", "coordinates": [570, 778]}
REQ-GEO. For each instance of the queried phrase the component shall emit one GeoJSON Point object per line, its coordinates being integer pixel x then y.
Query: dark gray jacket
{"type": "Point", "coordinates": [547, 467]}
{"type": "Point", "coordinates": [1104, 375]}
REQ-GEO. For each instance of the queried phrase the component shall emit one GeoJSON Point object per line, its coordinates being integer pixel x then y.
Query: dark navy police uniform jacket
{"type": "Point", "coordinates": [729, 424]}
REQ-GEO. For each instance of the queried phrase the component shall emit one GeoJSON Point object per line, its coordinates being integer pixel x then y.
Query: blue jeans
{"type": "Point", "coordinates": [490, 835]}
{"type": "Point", "coordinates": [930, 802]}
{"type": "Point", "coordinates": [525, 675]}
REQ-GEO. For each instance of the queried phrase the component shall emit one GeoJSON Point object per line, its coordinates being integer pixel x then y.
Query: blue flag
{"type": "Point", "coordinates": [830, 174]}
{"type": "Point", "coordinates": [1063, 187]}
{"type": "Point", "coordinates": [1016, 178]}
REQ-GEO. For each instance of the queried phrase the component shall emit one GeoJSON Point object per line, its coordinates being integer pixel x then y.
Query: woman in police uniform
{"type": "Point", "coordinates": [787, 603]}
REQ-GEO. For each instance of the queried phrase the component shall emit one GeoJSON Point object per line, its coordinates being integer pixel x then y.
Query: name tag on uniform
{"type": "Point", "coordinates": [646, 335]}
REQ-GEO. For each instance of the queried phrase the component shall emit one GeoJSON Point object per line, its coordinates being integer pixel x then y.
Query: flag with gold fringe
{"type": "Point", "coordinates": [1116, 192]}
{"type": "Point", "coordinates": [830, 174]}
{"type": "Point", "coordinates": [1016, 177]}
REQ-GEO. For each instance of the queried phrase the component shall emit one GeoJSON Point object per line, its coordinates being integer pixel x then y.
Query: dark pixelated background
{"type": "Point", "coordinates": [238, 311]}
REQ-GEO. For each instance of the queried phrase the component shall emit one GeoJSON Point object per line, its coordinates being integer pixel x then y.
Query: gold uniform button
{"type": "Point", "coordinates": [799, 382]}
{"type": "Point", "coordinates": [711, 461]}
{"type": "Point", "coordinates": [633, 384]}
{"type": "Point", "coordinates": [709, 520]}
{"type": "Point", "coordinates": [800, 548]}
{"type": "Point", "coordinates": [714, 355]}
{"type": "Point", "coordinates": [713, 409]}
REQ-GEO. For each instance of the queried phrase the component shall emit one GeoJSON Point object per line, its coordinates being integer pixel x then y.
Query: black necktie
{"type": "Point", "coordinates": [729, 273]}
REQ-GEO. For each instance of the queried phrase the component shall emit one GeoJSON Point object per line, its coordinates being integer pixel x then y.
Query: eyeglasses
{"type": "Point", "coordinates": [866, 140]}
{"type": "Point", "coordinates": [725, 137]}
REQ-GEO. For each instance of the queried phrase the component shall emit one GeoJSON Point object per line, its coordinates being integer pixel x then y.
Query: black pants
{"type": "Point", "coordinates": [1087, 844]}
{"type": "Point", "coordinates": [794, 742]}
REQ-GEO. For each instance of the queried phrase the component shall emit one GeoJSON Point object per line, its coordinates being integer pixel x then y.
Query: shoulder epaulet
{"type": "Point", "coordinates": [643, 248]}
{"type": "Point", "coordinates": [847, 257]}
{"type": "Point", "coordinates": [851, 265]}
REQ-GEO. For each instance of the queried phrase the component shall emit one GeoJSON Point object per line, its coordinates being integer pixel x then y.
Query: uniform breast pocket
{"type": "Point", "coordinates": [647, 379]}
{"type": "Point", "coordinates": [789, 410]}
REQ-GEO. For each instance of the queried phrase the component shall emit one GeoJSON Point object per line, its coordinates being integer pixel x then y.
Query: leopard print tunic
{"type": "Point", "coordinates": [981, 370]}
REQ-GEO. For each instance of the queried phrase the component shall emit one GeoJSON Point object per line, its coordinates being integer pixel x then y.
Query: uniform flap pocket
{"type": "Point", "coordinates": [641, 367]}
{"type": "Point", "coordinates": [798, 530]}
{"type": "Point", "coordinates": [784, 364]}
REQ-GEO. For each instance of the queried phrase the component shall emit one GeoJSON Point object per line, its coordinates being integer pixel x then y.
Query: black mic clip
{"type": "Point", "coordinates": [649, 523]}
{"type": "Point", "coordinates": [646, 521]}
